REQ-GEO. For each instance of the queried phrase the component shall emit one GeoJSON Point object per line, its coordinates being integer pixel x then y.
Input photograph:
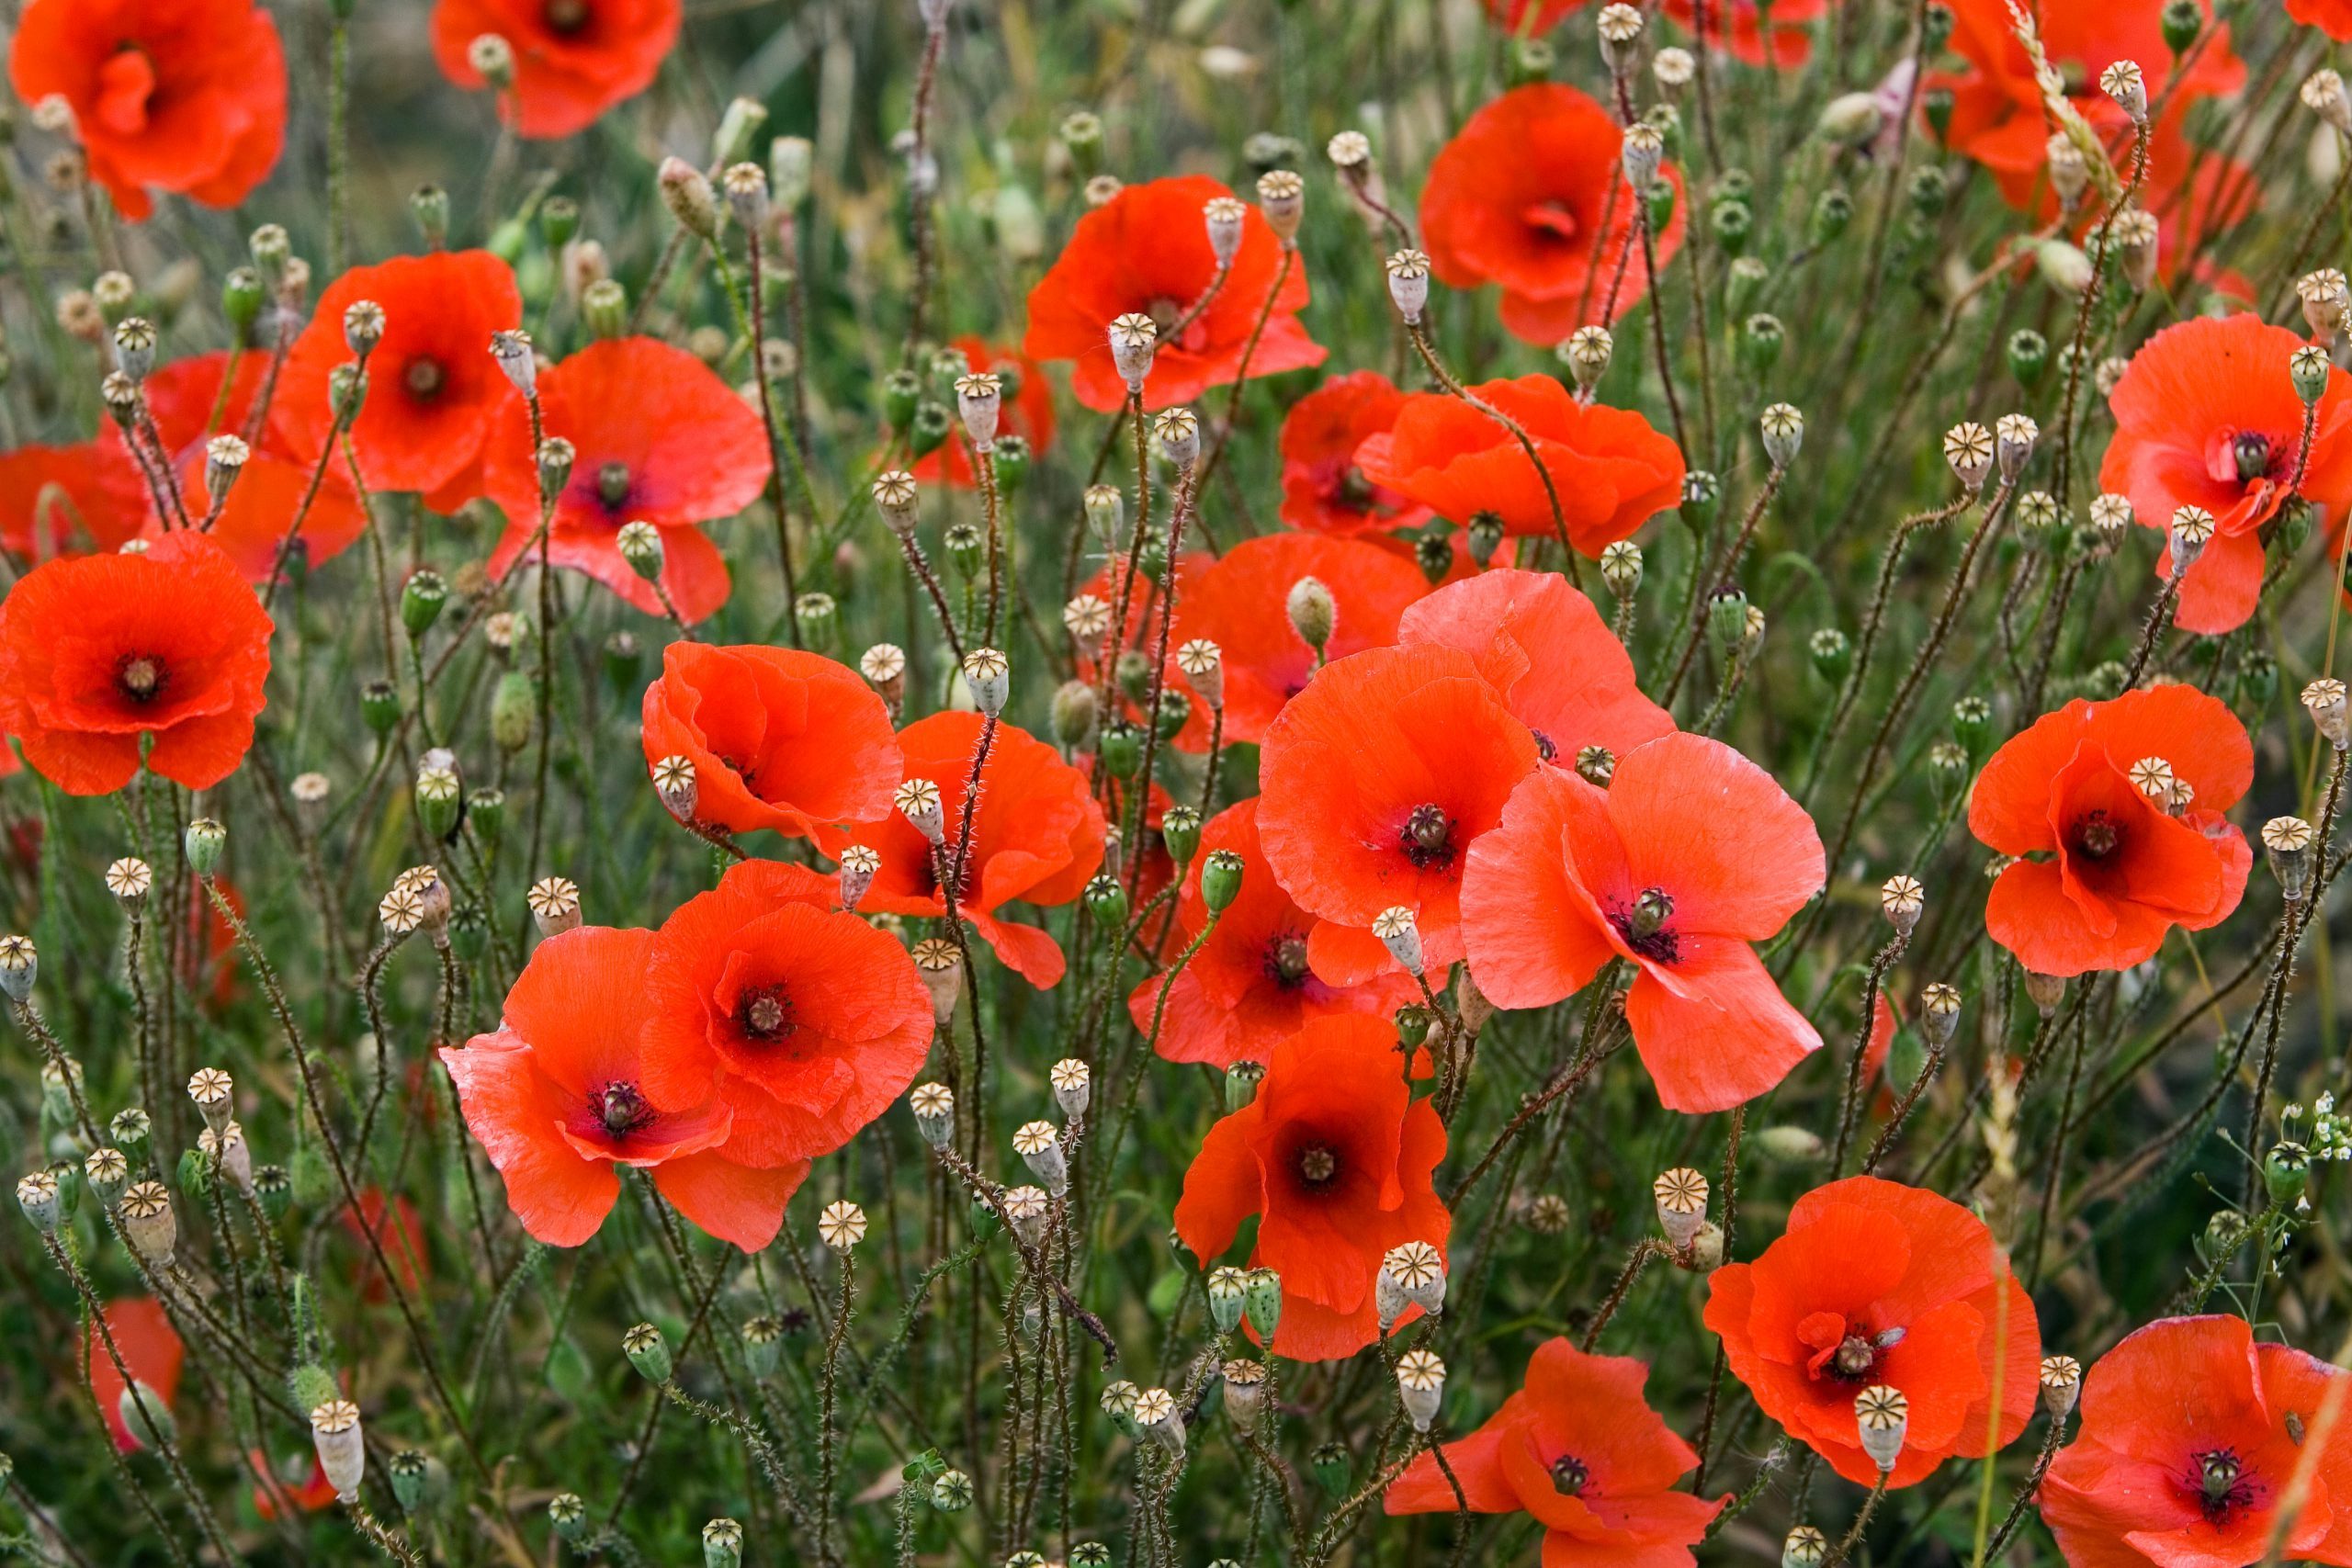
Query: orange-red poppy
{"type": "Point", "coordinates": [778, 738]}
{"type": "Point", "coordinates": [149, 1346]}
{"type": "Point", "coordinates": [1875, 1283]}
{"type": "Point", "coordinates": [1560, 669]}
{"type": "Point", "coordinates": [2123, 868]}
{"type": "Point", "coordinates": [434, 395]}
{"type": "Point", "coordinates": [2206, 415]}
{"type": "Point", "coordinates": [185, 397]}
{"type": "Point", "coordinates": [1580, 1452]}
{"type": "Point", "coordinates": [573, 59]}
{"type": "Point", "coordinates": [184, 95]}
{"type": "Point", "coordinates": [557, 1095]}
{"type": "Point", "coordinates": [1323, 489]}
{"type": "Point", "coordinates": [1249, 987]}
{"type": "Point", "coordinates": [2193, 1437]}
{"type": "Point", "coordinates": [1334, 1157]}
{"type": "Point", "coordinates": [657, 437]}
{"type": "Point", "coordinates": [1527, 17]}
{"type": "Point", "coordinates": [63, 500]}
{"type": "Point", "coordinates": [1611, 471]}
{"type": "Point", "coordinates": [1528, 196]}
{"type": "Point", "coordinates": [1376, 781]}
{"type": "Point", "coordinates": [397, 1227]}
{"type": "Point", "coordinates": [1036, 836]}
{"type": "Point", "coordinates": [1789, 23]}
{"type": "Point", "coordinates": [1240, 605]}
{"type": "Point", "coordinates": [96, 652]}
{"type": "Point", "coordinates": [806, 1021]}
{"type": "Point", "coordinates": [1147, 250]}
{"type": "Point", "coordinates": [1028, 412]}
{"type": "Point", "coordinates": [1997, 114]}
{"type": "Point", "coordinates": [1692, 854]}
{"type": "Point", "coordinates": [2333, 18]}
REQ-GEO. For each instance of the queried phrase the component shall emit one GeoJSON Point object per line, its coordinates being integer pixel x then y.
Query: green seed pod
{"type": "Point", "coordinates": [439, 798]}
{"type": "Point", "coordinates": [421, 598]}
{"type": "Point", "coordinates": [2029, 355]}
{"type": "Point", "coordinates": [429, 204]}
{"type": "Point", "coordinates": [1122, 749]}
{"type": "Point", "coordinates": [205, 840]}
{"type": "Point", "coordinates": [1082, 135]}
{"type": "Point", "coordinates": [1972, 721]}
{"type": "Point", "coordinates": [1175, 708]}
{"type": "Point", "coordinates": [1833, 655]}
{"type": "Point", "coordinates": [347, 395]}
{"type": "Point", "coordinates": [1092, 1553]}
{"type": "Point", "coordinates": [2287, 1171]}
{"type": "Point", "coordinates": [1226, 1290]}
{"type": "Point", "coordinates": [469, 929]}
{"type": "Point", "coordinates": [1241, 1081]}
{"type": "Point", "coordinates": [1529, 61]}
{"type": "Point", "coordinates": [1759, 344]}
{"type": "Point", "coordinates": [130, 1129]}
{"type": "Point", "coordinates": [1936, 27]}
{"type": "Point", "coordinates": [406, 1470]}
{"type": "Point", "coordinates": [275, 1190]}
{"type": "Point", "coordinates": [1905, 1056]}
{"type": "Point", "coordinates": [762, 1337]}
{"type": "Point", "coordinates": [1744, 282]}
{"type": "Point", "coordinates": [649, 1352]}
{"type": "Point", "coordinates": [568, 1513]}
{"type": "Point", "coordinates": [1701, 495]}
{"type": "Point", "coordinates": [1221, 880]}
{"type": "Point", "coordinates": [1731, 221]}
{"type": "Point", "coordinates": [984, 1221]}
{"type": "Point", "coordinates": [902, 396]}
{"type": "Point", "coordinates": [604, 308]}
{"type": "Point", "coordinates": [966, 550]}
{"type": "Point", "coordinates": [2182, 22]}
{"type": "Point", "coordinates": [1833, 213]}
{"type": "Point", "coordinates": [1180, 830]}
{"type": "Point", "coordinates": [2258, 678]}
{"type": "Point", "coordinates": [1728, 617]}
{"type": "Point", "coordinates": [512, 710]}
{"type": "Point", "coordinates": [1075, 705]}
{"type": "Point", "coordinates": [931, 426]}
{"type": "Point", "coordinates": [486, 810]}
{"type": "Point", "coordinates": [558, 222]}
{"type": "Point", "coordinates": [952, 1493]}
{"type": "Point", "coordinates": [380, 706]}
{"type": "Point", "coordinates": [1328, 1464]}
{"type": "Point", "coordinates": [1263, 1302]}
{"type": "Point", "coordinates": [723, 1544]}
{"type": "Point", "coordinates": [1928, 190]}
{"type": "Point", "coordinates": [1662, 198]}
{"type": "Point", "coordinates": [1011, 459]}
{"type": "Point", "coordinates": [241, 297]}
{"type": "Point", "coordinates": [1413, 1025]}
{"type": "Point", "coordinates": [1485, 535]}
{"type": "Point", "coordinates": [1119, 1404]}
{"type": "Point", "coordinates": [1937, 103]}
{"type": "Point", "coordinates": [1107, 901]}
{"type": "Point", "coordinates": [1434, 553]}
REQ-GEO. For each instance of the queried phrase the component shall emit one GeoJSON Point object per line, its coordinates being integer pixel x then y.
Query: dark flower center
{"type": "Point", "coordinates": [424, 377]}
{"type": "Point", "coordinates": [2222, 1484]}
{"type": "Point", "coordinates": [621, 1109]}
{"type": "Point", "coordinates": [1354, 491]}
{"type": "Point", "coordinates": [566, 15]}
{"type": "Point", "coordinates": [1855, 1357]}
{"type": "Point", "coordinates": [1286, 960]}
{"type": "Point", "coordinates": [1317, 1164]}
{"type": "Point", "coordinates": [1164, 312]}
{"type": "Point", "coordinates": [1570, 1474]}
{"type": "Point", "coordinates": [1427, 836]}
{"type": "Point", "coordinates": [2251, 452]}
{"type": "Point", "coordinates": [613, 483]}
{"type": "Point", "coordinates": [141, 677]}
{"type": "Point", "coordinates": [1642, 926]}
{"type": "Point", "coordinates": [2096, 836]}
{"type": "Point", "coordinates": [766, 1014]}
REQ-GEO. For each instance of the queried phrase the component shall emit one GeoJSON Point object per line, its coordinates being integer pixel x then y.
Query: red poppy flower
{"type": "Point", "coordinates": [573, 59]}
{"type": "Point", "coordinates": [314, 1493]}
{"type": "Point", "coordinates": [779, 738]}
{"type": "Point", "coordinates": [657, 439]}
{"type": "Point", "coordinates": [184, 398]}
{"type": "Point", "coordinates": [1240, 604]}
{"type": "Point", "coordinates": [1323, 491]}
{"type": "Point", "coordinates": [2122, 869]}
{"type": "Point", "coordinates": [559, 1095]}
{"type": "Point", "coordinates": [2207, 416]}
{"type": "Point", "coordinates": [1692, 854]}
{"type": "Point", "coordinates": [1335, 1157]}
{"type": "Point", "coordinates": [1249, 986]}
{"type": "Point", "coordinates": [1612, 471]}
{"type": "Point", "coordinates": [1527, 17]}
{"type": "Point", "coordinates": [2191, 1434]}
{"type": "Point", "coordinates": [186, 95]}
{"type": "Point", "coordinates": [1578, 1450]}
{"type": "Point", "coordinates": [98, 650]}
{"type": "Point", "coordinates": [1147, 250]}
{"type": "Point", "coordinates": [397, 1227]}
{"type": "Point", "coordinates": [149, 1346]}
{"type": "Point", "coordinates": [1997, 117]}
{"type": "Point", "coordinates": [1790, 42]}
{"type": "Point", "coordinates": [2333, 18]}
{"type": "Point", "coordinates": [1875, 1283]}
{"type": "Point", "coordinates": [807, 1022]}
{"type": "Point", "coordinates": [1560, 669]}
{"type": "Point", "coordinates": [1036, 836]}
{"type": "Point", "coordinates": [434, 395]}
{"type": "Point", "coordinates": [1376, 779]}
{"type": "Point", "coordinates": [1028, 414]}
{"type": "Point", "coordinates": [1528, 196]}
{"type": "Point", "coordinates": [60, 500]}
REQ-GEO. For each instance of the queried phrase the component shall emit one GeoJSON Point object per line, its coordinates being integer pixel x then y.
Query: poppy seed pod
{"type": "Point", "coordinates": [1223, 216]}
{"type": "Point", "coordinates": [1134, 338]}
{"type": "Point", "coordinates": [941, 968]}
{"type": "Point", "coordinates": [2324, 700]}
{"type": "Point", "coordinates": [1073, 1085]}
{"type": "Point", "coordinates": [2013, 440]}
{"type": "Point", "coordinates": [1227, 1287]}
{"type": "Point", "coordinates": [342, 1448]}
{"type": "Point", "coordinates": [1178, 432]}
{"type": "Point", "coordinates": [1221, 879]}
{"type": "Point", "coordinates": [1968, 448]}
{"type": "Point", "coordinates": [1282, 197]}
{"type": "Point", "coordinates": [1245, 1390]}
{"type": "Point", "coordinates": [2046, 991]}
{"type": "Point", "coordinates": [649, 1352]}
{"type": "Point", "coordinates": [1420, 1387]}
{"type": "Point", "coordinates": [1901, 900]}
{"type": "Point", "coordinates": [641, 546]}
{"type": "Point", "coordinates": [1589, 352]}
{"type": "Point", "coordinates": [555, 905]}
{"type": "Point", "coordinates": [1201, 663]}
{"type": "Point", "coordinates": [214, 1094]}
{"type": "Point", "coordinates": [1160, 1418]}
{"type": "Point", "coordinates": [723, 1544]}
{"type": "Point", "coordinates": [1938, 1014]}
{"type": "Point", "coordinates": [979, 403]}
{"type": "Point", "coordinates": [1418, 1270]}
{"type": "Point", "coordinates": [2308, 367]}
{"type": "Point", "coordinates": [19, 966]}
{"type": "Point", "coordinates": [675, 784]}
{"type": "Point", "coordinates": [1643, 155]}
{"type": "Point", "coordinates": [1263, 1302]}
{"type": "Point", "coordinates": [1040, 1145]}
{"type": "Point", "coordinates": [1682, 1197]}
{"type": "Point", "coordinates": [933, 1105]}
{"type": "Point", "coordinates": [2060, 1381]}
{"type": "Point", "coordinates": [1783, 430]}
{"type": "Point", "coordinates": [511, 350]}
{"type": "Point", "coordinates": [2191, 531]}
{"type": "Point", "coordinates": [988, 674]}
{"type": "Point", "coordinates": [1805, 1547]}
{"type": "Point", "coordinates": [841, 1225]}
{"type": "Point", "coordinates": [2136, 237]}
{"type": "Point", "coordinates": [148, 1223]}
{"type": "Point", "coordinates": [205, 840]}
{"type": "Point", "coordinates": [1883, 1416]}
{"type": "Point", "coordinates": [41, 1199]}
{"type": "Point", "coordinates": [134, 347]}
{"type": "Point", "coordinates": [2323, 93]}
{"type": "Point", "coordinates": [1400, 934]}
{"type": "Point", "coordinates": [2287, 844]}
{"type": "Point", "coordinates": [2325, 298]}
{"type": "Point", "coordinates": [1409, 284]}
{"type": "Point", "coordinates": [918, 801]}
{"type": "Point", "coordinates": [746, 189]}
{"type": "Point", "coordinates": [108, 1170]}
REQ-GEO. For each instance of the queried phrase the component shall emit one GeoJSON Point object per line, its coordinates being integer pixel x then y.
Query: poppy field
{"type": "Point", "coordinates": [1198, 784]}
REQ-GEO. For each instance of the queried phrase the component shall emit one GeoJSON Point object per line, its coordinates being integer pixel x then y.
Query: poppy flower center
{"type": "Point", "coordinates": [566, 15]}
{"type": "Point", "coordinates": [1286, 960]}
{"type": "Point", "coordinates": [1353, 492]}
{"type": "Point", "coordinates": [424, 377]}
{"type": "Point", "coordinates": [2251, 452]}
{"type": "Point", "coordinates": [1317, 1165]}
{"type": "Point", "coordinates": [1427, 838]}
{"type": "Point", "coordinates": [1854, 1358]}
{"type": "Point", "coordinates": [766, 1014]}
{"type": "Point", "coordinates": [1570, 1474]}
{"type": "Point", "coordinates": [2222, 1485]}
{"type": "Point", "coordinates": [141, 677]}
{"type": "Point", "coordinates": [2096, 836]}
{"type": "Point", "coordinates": [1642, 925]}
{"type": "Point", "coordinates": [620, 1108]}
{"type": "Point", "coordinates": [1552, 221]}
{"type": "Point", "coordinates": [613, 484]}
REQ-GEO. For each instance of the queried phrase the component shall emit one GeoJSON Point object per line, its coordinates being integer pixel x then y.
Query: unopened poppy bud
{"type": "Point", "coordinates": [918, 801]}
{"type": "Point", "coordinates": [555, 905]}
{"type": "Point", "coordinates": [2322, 93]}
{"type": "Point", "coordinates": [1040, 1145]}
{"type": "Point", "coordinates": [1420, 1386]}
{"type": "Point", "coordinates": [1282, 197]}
{"type": "Point", "coordinates": [146, 1415]}
{"type": "Point", "coordinates": [1313, 612]}
{"type": "Point", "coordinates": [1968, 447]}
{"type": "Point", "coordinates": [42, 1200]}
{"type": "Point", "coordinates": [1805, 1547]}
{"type": "Point", "coordinates": [675, 784]}
{"type": "Point", "coordinates": [1901, 899]}
{"type": "Point", "coordinates": [2046, 991]}
{"type": "Point", "coordinates": [941, 968]}
{"type": "Point", "coordinates": [1400, 934]}
{"type": "Point", "coordinates": [1221, 879]}
{"type": "Point", "coordinates": [979, 403]}
{"type": "Point", "coordinates": [1938, 1014]}
{"type": "Point", "coordinates": [1160, 1418]}
{"type": "Point", "coordinates": [108, 1170]}
{"type": "Point", "coordinates": [2287, 844]}
{"type": "Point", "coordinates": [1262, 1303]}
{"type": "Point", "coordinates": [2191, 531]}
{"type": "Point", "coordinates": [1682, 1197]}
{"type": "Point", "coordinates": [1783, 429]}
{"type": "Point", "coordinates": [2061, 1380]}
{"type": "Point", "coordinates": [1418, 1270]}
{"type": "Point", "coordinates": [687, 194]}
{"type": "Point", "coordinates": [1178, 431]}
{"type": "Point", "coordinates": [988, 674]}
{"type": "Point", "coordinates": [2324, 700]}
{"type": "Point", "coordinates": [1134, 338]}
{"type": "Point", "coordinates": [1223, 217]}
{"type": "Point", "coordinates": [933, 1105]}
{"type": "Point", "coordinates": [19, 966]}
{"type": "Point", "coordinates": [148, 1223]}
{"type": "Point", "coordinates": [1409, 284]}
{"type": "Point", "coordinates": [2326, 298]}
{"type": "Point", "coordinates": [1883, 1416]}
{"type": "Point", "coordinates": [204, 841]}
{"type": "Point", "coordinates": [1074, 709]}
{"type": "Point", "coordinates": [2013, 439]}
